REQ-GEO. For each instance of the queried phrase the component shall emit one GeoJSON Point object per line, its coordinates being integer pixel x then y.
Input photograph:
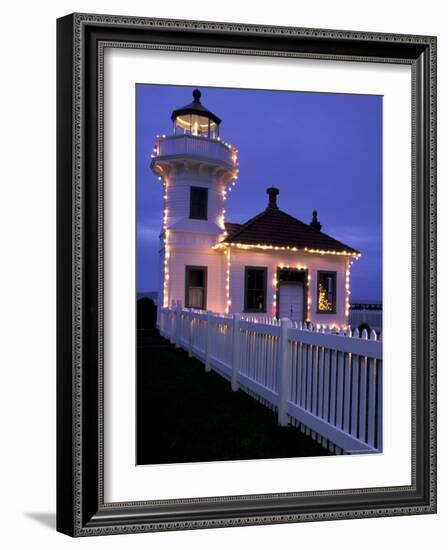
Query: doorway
{"type": "Point", "coordinates": [291, 300]}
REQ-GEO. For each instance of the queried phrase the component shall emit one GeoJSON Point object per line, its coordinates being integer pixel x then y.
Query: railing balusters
{"type": "Point", "coordinates": [293, 351]}
{"type": "Point", "coordinates": [340, 389]}
{"type": "Point", "coordinates": [333, 389]}
{"type": "Point", "coordinates": [314, 389]}
{"type": "Point", "coordinates": [379, 406]}
{"type": "Point", "coordinates": [371, 404]}
{"type": "Point", "coordinates": [326, 388]}
{"type": "Point", "coordinates": [347, 391]}
{"type": "Point", "coordinates": [309, 376]}
{"type": "Point", "coordinates": [355, 396]}
{"type": "Point", "coordinates": [362, 399]}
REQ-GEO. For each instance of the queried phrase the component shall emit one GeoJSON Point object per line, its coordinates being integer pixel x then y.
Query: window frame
{"type": "Point", "coordinates": [264, 269]}
{"type": "Point", "coordinates": [334, 274]}
{"type": "Point", "coordinates": [204, 268]}
{"type": "Point", "coordinates": [196, 188]}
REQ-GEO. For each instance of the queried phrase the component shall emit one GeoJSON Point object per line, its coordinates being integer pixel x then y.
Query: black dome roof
{"type": "Point", "coordinates": [195, 108]}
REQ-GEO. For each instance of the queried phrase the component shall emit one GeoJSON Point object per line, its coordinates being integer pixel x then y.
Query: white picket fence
{"type": "Point", "coordinates": [326, 383]}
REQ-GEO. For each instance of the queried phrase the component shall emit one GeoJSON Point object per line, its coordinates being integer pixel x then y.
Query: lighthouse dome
{"type": "Point", "coordinates": [195, 119]}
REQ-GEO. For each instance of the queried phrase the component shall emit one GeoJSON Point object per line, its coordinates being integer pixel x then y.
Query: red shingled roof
{"type": "Point", "coordinates": [273, 227]}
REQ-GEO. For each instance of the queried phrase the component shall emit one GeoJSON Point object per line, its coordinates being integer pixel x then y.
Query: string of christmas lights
{"type": "Point", "coordinates": [308, 300]}
{"type": "Point", "coordinates": [166, 248]}
{"type": "Point", "coordinates": [228, 300]}
{"type": "Point", "coordinates": [291, 248]}
{"type": "Point", "coordinates": [347, 289]}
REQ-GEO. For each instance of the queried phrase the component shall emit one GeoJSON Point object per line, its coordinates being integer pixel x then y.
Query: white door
{"type": "Point", "coordinates": [291, 302]}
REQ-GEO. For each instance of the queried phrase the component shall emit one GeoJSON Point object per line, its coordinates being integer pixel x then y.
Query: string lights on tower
{"type": "Point", "coordinates": [347, 289]}
{"type": "Point", "coordinates": [228, 300]}
{"type": "Point", "coordinates": [308, 299]}
{"type": "Point", "coordinates": [166, 258]}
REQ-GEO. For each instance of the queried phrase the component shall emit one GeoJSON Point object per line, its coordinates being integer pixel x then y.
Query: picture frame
{"type": "Point", "coordinates": [81, 506]}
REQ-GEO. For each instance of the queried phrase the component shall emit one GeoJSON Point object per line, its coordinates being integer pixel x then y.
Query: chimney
{"type": "Point", "coordinates": [315, 223]}
{"type": "Point", "coordinates": [272, 192]}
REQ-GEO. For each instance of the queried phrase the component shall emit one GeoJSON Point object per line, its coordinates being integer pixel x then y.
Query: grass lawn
{"type": "Point", "coordinates": [187, 415]}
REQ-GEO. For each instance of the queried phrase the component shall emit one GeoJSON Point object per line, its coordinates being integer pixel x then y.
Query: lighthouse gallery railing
{"type": "Point", "coordinates": [196, 146]}
{"type": "Point", "coordinates": [325, 383]}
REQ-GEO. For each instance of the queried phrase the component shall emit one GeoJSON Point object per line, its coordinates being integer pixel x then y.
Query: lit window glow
{"type": "Point", "coordinates": [326, 292]}
{"type": "Point", "coordinates": [323, 303]}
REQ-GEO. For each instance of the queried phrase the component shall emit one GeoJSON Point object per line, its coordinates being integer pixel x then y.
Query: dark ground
{"type": "Point", "coordinates": [187, 415]}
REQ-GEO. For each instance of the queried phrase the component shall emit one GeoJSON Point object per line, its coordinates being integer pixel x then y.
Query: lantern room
{"type": "Point", "coordinates": [195, 119]}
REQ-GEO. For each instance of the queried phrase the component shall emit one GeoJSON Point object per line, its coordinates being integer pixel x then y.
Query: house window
{"type": "Point", "coordinates": [196, 287]}
{"type": "Point", "coordinates": [326, 292]}
{"type": "Point", "coordinates": [198, 203]}
{"type": "Point", "coordinates": [255, 289]}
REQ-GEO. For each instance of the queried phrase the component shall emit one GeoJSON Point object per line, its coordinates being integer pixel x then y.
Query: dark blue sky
{"type": "Point", "coordinates": [323, 151]}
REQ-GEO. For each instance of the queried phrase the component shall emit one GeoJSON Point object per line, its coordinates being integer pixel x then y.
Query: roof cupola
{"type": "Point", "coordinates": [273, 192]}
{"type": "Point", "coordinates": [315, 223]}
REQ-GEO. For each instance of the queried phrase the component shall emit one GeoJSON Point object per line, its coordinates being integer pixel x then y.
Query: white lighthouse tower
{"type": "Point", "coordinates": [195, 167]}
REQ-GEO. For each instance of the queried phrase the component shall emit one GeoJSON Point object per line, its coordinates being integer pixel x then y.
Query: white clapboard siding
{"type": "Point", "coordinates": [327, 383]}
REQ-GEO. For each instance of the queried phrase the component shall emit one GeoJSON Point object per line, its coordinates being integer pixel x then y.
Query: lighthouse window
{"type": "Point", "coordinates": [255, 289]}
{"type": "Point", "coordinates": [195, 287]}
{"type": "Point", "coordinates": [198, 203]}
{"type": "Point", "coordinates": [326, 292]}
{"type": "Point", "coordinates": [196, 125]}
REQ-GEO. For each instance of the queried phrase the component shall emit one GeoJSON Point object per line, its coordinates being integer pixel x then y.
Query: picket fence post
{"type": "Point", "coordinates": [173, 321]}
{"type": "Point", "coordinates": [235, 351]}
{"type": "Point", "coordinates": [190, 333]}
{"type": "Point", "coordinates": [283, 372]}
{"type": "Point", "coordinates": [178, 332]}
{"type": "Point", "coordinates": [208, 338]}
{"type": "Point", "coordinates": [161, 325]}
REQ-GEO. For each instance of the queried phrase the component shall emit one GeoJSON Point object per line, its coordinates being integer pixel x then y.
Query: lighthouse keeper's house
{"type": "Point", "coordinates": [272, 265]}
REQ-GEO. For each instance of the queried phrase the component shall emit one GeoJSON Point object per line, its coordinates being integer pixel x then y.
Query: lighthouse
{"type": "Point", "coordinates": [272, 265]}
{"type": "Point", "coordinates": [195, 167]}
